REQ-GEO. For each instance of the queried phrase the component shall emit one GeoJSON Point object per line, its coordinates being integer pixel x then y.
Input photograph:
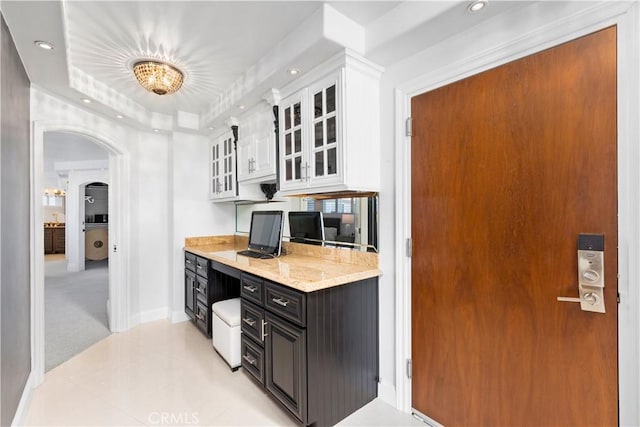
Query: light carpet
{"type": "Point", "coordinates": [75, 309]}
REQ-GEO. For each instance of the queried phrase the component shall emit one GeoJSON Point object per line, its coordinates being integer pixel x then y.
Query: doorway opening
{"type": "Point", "coordinates": [76, 282]}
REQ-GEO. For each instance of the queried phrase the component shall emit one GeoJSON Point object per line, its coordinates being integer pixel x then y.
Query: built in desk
{"type": "Point", "coordinates": [309, 320]}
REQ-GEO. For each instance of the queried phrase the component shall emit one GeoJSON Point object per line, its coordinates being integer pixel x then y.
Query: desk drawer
{"type": "Point", "coordinates": [202, 317]}
{"type": "Point", "coordinates": [252, 358]}
{"type": "Point", "coordinates": [252, 321]}
{"type": "Point", "coordinates": [190, 261]}
{"type": "Point", "coordinates": [202, 266]}
{"type": "Point", "coordinates": [288, 303]}
{"type": "Point", "coordinates": [202, 288]}
{"type": "Point", "coordinates": [252, 288]}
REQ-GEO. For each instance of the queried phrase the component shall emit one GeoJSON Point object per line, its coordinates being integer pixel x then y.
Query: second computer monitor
{"type": "Point", "coordinates": [306, 227]}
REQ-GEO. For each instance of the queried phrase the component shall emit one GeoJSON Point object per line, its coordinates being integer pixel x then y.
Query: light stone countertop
{"type": "Point", "coordinates": [306, 268]}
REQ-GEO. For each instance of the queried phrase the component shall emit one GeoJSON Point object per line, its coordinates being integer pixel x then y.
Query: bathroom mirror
{"type": "Point", "coordinates": [349, 222]}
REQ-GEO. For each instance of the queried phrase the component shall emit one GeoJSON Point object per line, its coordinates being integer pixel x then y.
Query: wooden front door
{"type": "Point", "coordinates": [508, 167]}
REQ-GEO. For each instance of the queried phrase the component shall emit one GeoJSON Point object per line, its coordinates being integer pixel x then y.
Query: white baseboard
{"type": "Point", "coordinates": [387, 393]}
{"type": "Point", "coordinates": [149, 316]}
{"type": "Point", "coordinates": [179, 316]}
{"type": "Point", "coordinates": [23, 406]}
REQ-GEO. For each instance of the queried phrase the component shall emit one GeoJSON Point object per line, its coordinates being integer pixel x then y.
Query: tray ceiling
{"type": "Point", "coordinates": [231, 52]}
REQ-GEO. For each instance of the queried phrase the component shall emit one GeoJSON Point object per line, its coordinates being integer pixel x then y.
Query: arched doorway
{"type": "Point", "coordinates": [118, 170]}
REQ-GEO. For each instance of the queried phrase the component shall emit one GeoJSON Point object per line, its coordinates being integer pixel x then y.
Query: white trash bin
{"type": "Point", "coordinates": [226, 331]}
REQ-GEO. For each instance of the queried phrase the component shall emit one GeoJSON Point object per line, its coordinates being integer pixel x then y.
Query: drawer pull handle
{"type": "Point", "coordinates": [200, 290]}
{"type": "Point", "coordinates": [199, 266]}
{"type": "Point", "coordinates": [199, 317]}
{"type": "Point", "coordinates": [189, 262]}
{"type": "Point", "coordinates": [280, 301]}
{"type": "Point", "coordinates": [262, 332]}
{"type": "Point", "coordinates": [249, 322]}
{"type": "Point", "coordinates": [251, 289]}
{"type": "Point", "coordinates": [251, 360]}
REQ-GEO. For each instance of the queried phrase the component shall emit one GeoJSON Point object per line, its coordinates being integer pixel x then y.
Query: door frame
{"type": "Point", "coordinates": [556, 31]}
{"type": "Point", "coordinates": [118, 306]}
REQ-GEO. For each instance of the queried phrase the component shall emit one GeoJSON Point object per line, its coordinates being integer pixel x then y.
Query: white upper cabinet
{"type": "Point", "coordinates": [257, 146]}
{"type": "Point", "coordinates": [330, 129]}
{"type": "Point", "coordinates": [222, 160]}
{"type": "Point", "coordinates": [229, 160]}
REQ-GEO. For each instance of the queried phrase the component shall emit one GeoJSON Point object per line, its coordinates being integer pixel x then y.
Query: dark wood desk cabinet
{"type": "Point", "coordinates": [316, 353]}
{"type": "Point", "coordinates": [204, 286]}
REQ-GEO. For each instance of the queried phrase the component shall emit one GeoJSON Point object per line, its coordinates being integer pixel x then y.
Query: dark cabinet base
{"type": "Point", "coordinates": [324, 367]}
{"type": "Point", "coordinates": [205, 286]}
{"type": "Point", "coordinates": [314, 353]}
{"type": "Point", "coordinates": [342, 350]}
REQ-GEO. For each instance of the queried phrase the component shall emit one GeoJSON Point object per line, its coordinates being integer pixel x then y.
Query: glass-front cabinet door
{"type": "Point", "coordinates": [311, 137]}
{"type": "Point", "coordinates": [294, 165]}
{"type": "Point", "coordinates": [325, 142]}
{"type": "Point", "coordinates": [223, 163]}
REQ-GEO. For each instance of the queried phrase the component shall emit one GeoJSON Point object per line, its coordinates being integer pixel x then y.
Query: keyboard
{"type": "Point", "coordinates": [254, 254]}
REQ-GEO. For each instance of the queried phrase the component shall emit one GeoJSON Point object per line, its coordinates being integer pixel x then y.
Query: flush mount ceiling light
{"type": "Point", "coordinates": [158, 77]}
{"type": "Point", "coordinates": [43, 45]}
{"type": "Point", "coordinates": [293, 71]}
{"type": "Point", "coordinates": [477, 5]}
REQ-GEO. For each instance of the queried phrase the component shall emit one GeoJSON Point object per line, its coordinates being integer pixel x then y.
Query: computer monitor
{"type": "Point", "coordinates": [265, 234]}
{"type": "Point", "coordinates": [305, 225]}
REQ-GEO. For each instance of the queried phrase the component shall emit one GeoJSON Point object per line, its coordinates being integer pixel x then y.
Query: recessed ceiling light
{"type": "Point", "coordinates": [293, 71]}
{"type": "Point", "coordinates": [241, 107]}
{"type": "Point", "coordinates": [43, 45]}
{"type": "Point", "coordinates": [156, 130]}
{"type": "Point", "coordinates": [211, 127]}
{"type": "Point", "coordinates": [86, 100]}
{"type": "Point", "coordinates": [119, 116]}
{"type": "Point", "coordinates": [477, 5]}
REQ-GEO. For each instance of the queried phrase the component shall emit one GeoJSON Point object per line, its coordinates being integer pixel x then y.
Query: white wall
{"type": "Point", "coordinates": [49, 212]}
{"type": "Point", "coordinates": [192, 214]}
{"type": "Point", "coordinates": [149, 261]}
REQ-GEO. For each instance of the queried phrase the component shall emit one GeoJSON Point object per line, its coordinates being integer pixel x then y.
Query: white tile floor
{"type": "Point", "coordinates": [160, 374]}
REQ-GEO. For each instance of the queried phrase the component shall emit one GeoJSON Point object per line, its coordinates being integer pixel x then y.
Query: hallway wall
{"type": "Point", "coordinates": [15, 324]}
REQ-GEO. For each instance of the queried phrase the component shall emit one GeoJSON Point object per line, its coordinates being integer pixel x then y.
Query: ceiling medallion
{"type": "Point", "coordinates": [158, 77]}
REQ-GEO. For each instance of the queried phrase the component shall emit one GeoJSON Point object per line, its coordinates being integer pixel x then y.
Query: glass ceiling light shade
{"type": "Point", "coordinates": [158, 77]}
